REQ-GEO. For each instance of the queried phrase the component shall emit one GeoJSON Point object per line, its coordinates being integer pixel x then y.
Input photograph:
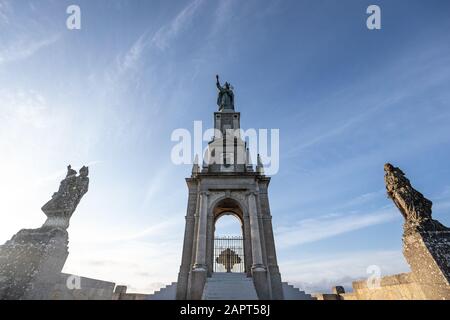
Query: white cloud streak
{"type": "Point", "coordinates": [327, 226]}
{"type": "Point", "coordinates": [160, 39]}
{"type": "Point", "coordinates": [319, 273]}
{"type": "Point", "coordinates": [167, 33]}
{"type": "Point", "coordinates": [24, 48]}
{"type": "Point", "coordinates": [5, 11]}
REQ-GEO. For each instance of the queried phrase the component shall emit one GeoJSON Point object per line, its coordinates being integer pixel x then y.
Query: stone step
{"type": "Point", "coordinates": [229, 286]}
{"type": "Point", "coordinates": [292, 293]}
{"type": "Point", "coordinates": [166, 293]}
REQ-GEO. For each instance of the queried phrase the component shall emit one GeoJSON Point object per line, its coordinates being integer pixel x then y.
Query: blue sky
{"type": "Point", "coordinates": [346, 100]}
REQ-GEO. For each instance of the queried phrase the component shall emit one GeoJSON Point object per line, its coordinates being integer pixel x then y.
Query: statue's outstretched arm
{"type": "Point", "coordinates": [218, 83]}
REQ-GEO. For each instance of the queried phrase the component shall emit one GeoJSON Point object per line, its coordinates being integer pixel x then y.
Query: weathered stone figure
{"type": "Point", "coordinates": [63, 203]}
{"type": "Point", "coordinates": [225, 99]}
{"type": "Point", "coordinates": [426, 242]}
{"type": "Point", "coordinates": [31, 262]}
{"type": "Point", "coordinates": [415, 208]}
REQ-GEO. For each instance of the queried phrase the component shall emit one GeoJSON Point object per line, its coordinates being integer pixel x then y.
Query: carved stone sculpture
{"type": "Point", "coordinates": [426, 242]}
{"type": "Point", "coordinates": [415, 208]}
{"type": "Point", "coordinates": [63, 203]}
{"type": "Point", "coordinates": [31, 262]}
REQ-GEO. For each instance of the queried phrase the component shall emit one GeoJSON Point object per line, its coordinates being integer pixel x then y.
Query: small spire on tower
{"type": "Point", "coordinates": [259, 165]}
{"type": "Point", "coordinates": [248, 160]}
{"type": "Point", "coordinates": [195, 167]}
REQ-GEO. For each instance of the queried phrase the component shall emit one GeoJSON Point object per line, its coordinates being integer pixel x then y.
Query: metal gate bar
{"type": "Point", "coordinates": [229, 254]}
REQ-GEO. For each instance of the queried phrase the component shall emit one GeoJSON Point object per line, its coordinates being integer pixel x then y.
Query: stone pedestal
{"type": "Point", "coordinates": [276, 283]}
{"type": "Point", "coordinates": [31, 263]}
{"type": "Point", "coordinates": [428, 254]}
{"type": "Point", "coordinates": [261, 283]}
{"type": "Point", "coordinates": [197, 280]}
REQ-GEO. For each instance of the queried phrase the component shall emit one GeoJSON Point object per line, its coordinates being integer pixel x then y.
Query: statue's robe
{"type": "Point", "coordinates": [225, 99]}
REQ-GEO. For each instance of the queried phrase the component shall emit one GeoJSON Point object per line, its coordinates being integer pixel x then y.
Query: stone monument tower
{"type": "Point", "coordinates": [227, 184]}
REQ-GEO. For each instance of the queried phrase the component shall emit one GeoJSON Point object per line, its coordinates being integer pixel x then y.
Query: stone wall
{"type": "Point", "coordinates": [83, 288]}
{"type": "Point", "coordinates": [428, 254]}
{"type": "Point", "coordinates": [396, 287]}
{"type": "Point", "coordinates": [31, 262]}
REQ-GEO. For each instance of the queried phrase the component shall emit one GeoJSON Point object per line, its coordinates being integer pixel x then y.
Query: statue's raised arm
{"type": "Point", "coordinates": [218, 83]}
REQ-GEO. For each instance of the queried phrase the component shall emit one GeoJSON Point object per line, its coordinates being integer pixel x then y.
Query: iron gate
{"type": "Point", "coordinates": [229, 254]}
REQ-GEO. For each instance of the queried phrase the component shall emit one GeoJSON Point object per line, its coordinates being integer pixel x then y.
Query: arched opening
{"type": "Point", "coordinates": [228, 249]}
{"type": "Point", "coordinates": [228, 225]}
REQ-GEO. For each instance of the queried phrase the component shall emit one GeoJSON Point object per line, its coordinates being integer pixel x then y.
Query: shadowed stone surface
{"type": "Point", "coordinates": [31, 262]}
{"type": "Point", "coordinates": [426, 247]}
{"type": "Point", "coordinates": [426, 242]}
{"type": "Point", "coordinates": [415, 208]}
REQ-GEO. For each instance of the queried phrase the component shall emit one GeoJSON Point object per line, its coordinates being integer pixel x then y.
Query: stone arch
{"type": "Point", "coordinates": [228, 204]}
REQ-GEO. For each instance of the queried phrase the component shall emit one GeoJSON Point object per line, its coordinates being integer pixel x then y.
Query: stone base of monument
{"type": "Point", "coordinates": [220, 286]}
{"type": "Point", "coordinates": [229, 286]}
{"type": "Point", "coordinates": [197, 280]}
{"type": "Point", "coordinates": [428, 254]}
{"type": "Point", "coordinates": [261, 283]}
{"type": "Point", "coordinates": [278, 288]}
{"type": "Point", "coordinates": [31, 263]}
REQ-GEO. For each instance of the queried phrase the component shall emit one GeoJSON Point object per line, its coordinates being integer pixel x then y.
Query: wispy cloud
{"type": "Point", "coordinates": [161, 38]}
{"type": "Point", "coordinates": [161, 230]}
{"type": "Point", "coordinates": [364, 198]}
{"type": "Point", "coordinates": [130, 60]}
{"type": "Point", "coordinates": [319, 273]}
{"type": "Point", "coordinates": [327, 226]}
{"type": "Point", "coordinates": [5, 11]}
{"type": "Point", "coordinates": [24, 106]}
{"type": "Point", "coordinates": [128, 64]}
{"type": "Point", "coordinates": [354, 107]}
{"type": "Point", "coordinates": [24, 48]}
{"type": "Point", "coordinates": [167, 33]}
{"type": "Point", "coordinates": [222, 15]}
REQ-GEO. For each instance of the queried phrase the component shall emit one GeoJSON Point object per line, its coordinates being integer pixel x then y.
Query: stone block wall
{"type": "Point", "coordinates": [88, 289]}
{"type": "Point", "coordinates": [396, 287]}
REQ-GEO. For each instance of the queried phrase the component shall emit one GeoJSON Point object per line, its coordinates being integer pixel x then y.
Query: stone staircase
{"type": "Point", "coordinates": [229, 286]}
{"type": "Point", "coordinates": [292, 293]}
{"type": "Point", "coordinates": [167, 293]}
